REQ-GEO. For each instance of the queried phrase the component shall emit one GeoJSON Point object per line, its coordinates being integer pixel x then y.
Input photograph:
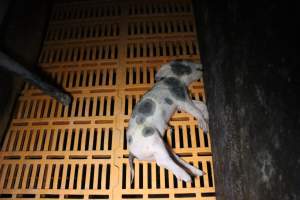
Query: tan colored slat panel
{"type": "Point", "coordinates": [106, 55]}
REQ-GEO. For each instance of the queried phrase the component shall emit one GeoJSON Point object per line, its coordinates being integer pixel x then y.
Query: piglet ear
{"type": "Point", "coordinates": [163, 72]}
{"type": "Point", "coordinates": [158, 74]}
{"type": "Point", "coordinates": [157, 78]}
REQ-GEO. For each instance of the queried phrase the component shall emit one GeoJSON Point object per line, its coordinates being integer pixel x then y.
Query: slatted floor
{"type": "Point", "coordinates": [105, 54]}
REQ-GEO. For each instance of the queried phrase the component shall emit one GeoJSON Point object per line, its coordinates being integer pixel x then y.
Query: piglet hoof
{"type": "Point", "coordinates": [185, 177]}
{"type": "Point", "coordinates": [199, 172]}
{"type": "Point", "coordinates": [205, 130]}
{"type": "Point", "coordinates": [203, 125]}
{"type": "Point", "coordinates": [182, 175]}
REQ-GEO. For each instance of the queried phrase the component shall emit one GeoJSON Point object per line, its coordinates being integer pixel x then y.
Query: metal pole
{"type": "Point", "coordinates": [9, 64]}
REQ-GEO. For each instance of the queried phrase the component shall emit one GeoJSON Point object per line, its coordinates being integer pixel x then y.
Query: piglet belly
{"type": "Point", "coordinates": [142, 151]}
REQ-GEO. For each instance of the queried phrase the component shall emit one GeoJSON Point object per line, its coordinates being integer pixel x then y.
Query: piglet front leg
{"type": "Point", "coordinates": [197, 110]}
{"type": "Point", "coordinates": [201, 106]}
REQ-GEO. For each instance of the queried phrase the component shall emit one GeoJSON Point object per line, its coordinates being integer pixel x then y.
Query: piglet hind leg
{"type": "Point", "coordinates": [164, 159]}
{"type": "Point", "coordinates": [190, 168]}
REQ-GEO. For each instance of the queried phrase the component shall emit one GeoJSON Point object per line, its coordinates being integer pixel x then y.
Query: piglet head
{"type": "Point", "coordinates": [185, 71]}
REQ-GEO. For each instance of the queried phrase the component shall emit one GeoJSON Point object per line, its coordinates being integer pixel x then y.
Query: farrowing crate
{"type": "Point", "coordinates": [106, 55]}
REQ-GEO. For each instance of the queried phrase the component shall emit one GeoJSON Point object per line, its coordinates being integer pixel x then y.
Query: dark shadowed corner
{"type": "Point", "coordinates": [22, 29]}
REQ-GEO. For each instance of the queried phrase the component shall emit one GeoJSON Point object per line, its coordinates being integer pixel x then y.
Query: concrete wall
{"type": "Point", "coordinates": [21, 35]}
{"type": "Point", "coordinates": [249, 56]}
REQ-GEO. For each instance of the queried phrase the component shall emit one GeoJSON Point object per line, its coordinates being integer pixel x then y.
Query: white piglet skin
{"type": "Point", "coordinates": [150, 117]}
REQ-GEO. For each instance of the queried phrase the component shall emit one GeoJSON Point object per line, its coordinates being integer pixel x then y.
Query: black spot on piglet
{"type": "Point", "coordinates": [168, 101]}
{"type": "Point", "coordinates": [146, 107]}
{"type": "Point", "coordinates": [148, 131]}
{"type": "Point", "coordinates": [180, 69]}
{"type": "Point", "coordinates": [129, 139]}
{"type": "Point", "coordinates": [176, 87]}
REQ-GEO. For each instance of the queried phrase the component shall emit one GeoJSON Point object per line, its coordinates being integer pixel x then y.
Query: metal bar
{"type": "Point", "coordinates": [11, 65]}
